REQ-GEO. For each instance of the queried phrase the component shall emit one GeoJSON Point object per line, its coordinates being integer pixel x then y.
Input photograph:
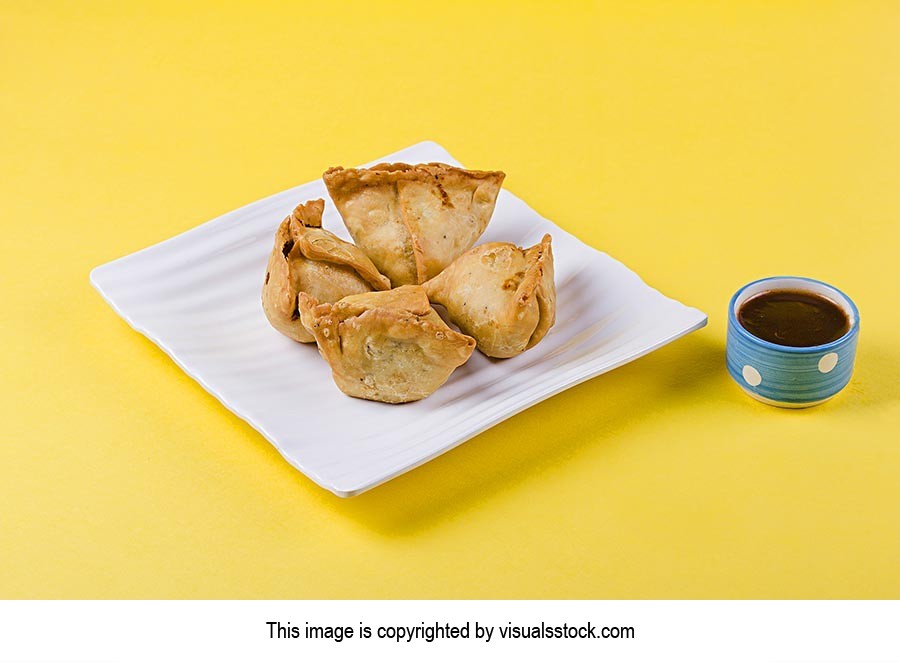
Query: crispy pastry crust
{"type": "Point", "coordinates": [414, 220]}
{"type": "Point", "coordinates": [501, 295]}
{"type": "Point", "coordinates": [310, 259]}
{"type": "Point", "coordinates": [383, 173]}
{"type": "Point", "coordinates": [386, 346]}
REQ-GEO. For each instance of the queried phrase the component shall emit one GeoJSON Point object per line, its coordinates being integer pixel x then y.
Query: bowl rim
{"type": "Point", "coordinates": [733, 321]}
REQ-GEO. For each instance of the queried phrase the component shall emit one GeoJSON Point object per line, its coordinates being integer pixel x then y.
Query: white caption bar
{"type": "Point", "coordinates": [138, 631]}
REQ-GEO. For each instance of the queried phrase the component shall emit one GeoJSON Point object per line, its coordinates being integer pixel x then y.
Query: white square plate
{"type": "Point", "coordinates": [197, 296]}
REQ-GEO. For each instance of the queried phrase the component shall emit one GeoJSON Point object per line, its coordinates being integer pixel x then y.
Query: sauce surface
{"type": "Point", "coordinates": [793, 318]}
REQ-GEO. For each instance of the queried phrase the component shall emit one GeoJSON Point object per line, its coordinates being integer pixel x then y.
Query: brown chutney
{"type": "Point", "coordinates": [794, 318]}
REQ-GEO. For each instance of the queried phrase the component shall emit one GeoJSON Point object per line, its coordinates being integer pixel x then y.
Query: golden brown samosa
{"type": "Point", "coordinates": [414, 220]}
{"type": "Point", "coordinates": [501, 295]}
{"type": "Point", "coordinates": [308, 258]}
{"type": "Point", "coordinates": [387, 346]}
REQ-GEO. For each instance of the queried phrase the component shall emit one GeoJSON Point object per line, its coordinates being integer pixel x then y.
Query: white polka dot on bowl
{"type": "Point", "coordinates": [751, 375]}
{"type": "Point", "coordinates": [827, 362]}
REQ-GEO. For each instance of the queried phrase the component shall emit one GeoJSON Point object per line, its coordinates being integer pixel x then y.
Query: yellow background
{"type": "Point", "coordinates": [703, 144]}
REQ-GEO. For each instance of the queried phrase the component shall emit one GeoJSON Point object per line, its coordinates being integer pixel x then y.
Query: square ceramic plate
{"type": "Point", "coordinates": [197, 296]}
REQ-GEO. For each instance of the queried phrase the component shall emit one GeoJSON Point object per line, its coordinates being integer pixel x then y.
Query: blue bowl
{"type": "Point", "coordinates": [790, 376]}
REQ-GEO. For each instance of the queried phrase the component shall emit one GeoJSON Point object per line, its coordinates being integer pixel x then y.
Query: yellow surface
{"type": "Point", "coordinates": [703, 144]}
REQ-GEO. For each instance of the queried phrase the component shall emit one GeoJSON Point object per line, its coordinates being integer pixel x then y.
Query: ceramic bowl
{"type": "Point", "coordinates": [790, 376]}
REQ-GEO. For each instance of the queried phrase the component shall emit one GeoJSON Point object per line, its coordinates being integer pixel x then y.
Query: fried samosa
{"type": "Point", "coordinates": [414, 220]}
{"type": "Point", "coordinates": [308, 258]}
{"type": "Point", "coordinates": [501, 295]}
{"type": "Point", "coordinates": [387, 346]}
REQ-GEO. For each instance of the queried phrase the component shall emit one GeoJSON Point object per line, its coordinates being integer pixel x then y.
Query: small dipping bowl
{"type": "Point", "coordinates": [786, 376]}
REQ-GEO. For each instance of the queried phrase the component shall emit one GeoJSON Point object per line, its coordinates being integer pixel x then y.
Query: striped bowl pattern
{"type": "Point", "coordinates": [790, 376]}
